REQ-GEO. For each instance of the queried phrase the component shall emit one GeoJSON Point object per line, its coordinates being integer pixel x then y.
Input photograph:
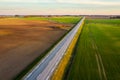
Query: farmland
{"type": "Point", "coordinates": [65, 19]}
{"type": "Point", "coordinates": [97, 53]}
{"type": "Point", "coordinates": [22, 40]}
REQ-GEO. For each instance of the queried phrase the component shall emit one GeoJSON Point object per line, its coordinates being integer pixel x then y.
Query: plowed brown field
{"type": "Point", "coordinates": [21, 41]}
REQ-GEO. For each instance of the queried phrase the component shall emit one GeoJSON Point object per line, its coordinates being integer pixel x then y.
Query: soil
{"type": "Point", "coordinates": [21, 41]}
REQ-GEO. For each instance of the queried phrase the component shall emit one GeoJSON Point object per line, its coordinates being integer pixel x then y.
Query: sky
{"type": "Point", "coordinates": [59, 7]}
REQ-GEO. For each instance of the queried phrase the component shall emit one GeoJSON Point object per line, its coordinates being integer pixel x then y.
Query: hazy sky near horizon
{"type": "Point", "coordinates": [60, 7]}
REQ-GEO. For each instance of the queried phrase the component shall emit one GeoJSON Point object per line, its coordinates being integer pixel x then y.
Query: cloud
{"type": "Point", "coordinates": [28, 1]}
{"type": "Point", "coordinates": [59, 7]}
{"type": "Point", "coordinates": [97, 2]}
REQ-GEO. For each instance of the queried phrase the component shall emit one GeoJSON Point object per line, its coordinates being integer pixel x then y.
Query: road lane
{"type": "Point", "coordinates": [45, 68]}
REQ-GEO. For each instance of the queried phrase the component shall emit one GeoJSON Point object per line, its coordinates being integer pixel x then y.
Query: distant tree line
{"type": "Point", "coordinates": [115, 17]}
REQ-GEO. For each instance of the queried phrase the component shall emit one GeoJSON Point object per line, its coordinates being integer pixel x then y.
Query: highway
{"type": "Point", "coordinates": [45, 68]}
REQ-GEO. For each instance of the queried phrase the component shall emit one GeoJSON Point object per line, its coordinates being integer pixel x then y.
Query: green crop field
{"type": "Point", "coordinates": [97, 53]}
{"type": "Point", "coordinates": [65, 19]}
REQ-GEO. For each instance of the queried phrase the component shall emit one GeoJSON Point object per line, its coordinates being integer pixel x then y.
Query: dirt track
{"type": "Point", "coordinates": [21, 41]}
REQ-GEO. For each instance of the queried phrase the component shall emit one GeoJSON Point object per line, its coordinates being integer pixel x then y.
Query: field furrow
{"type": "Point", "coordinates": [97, 53]}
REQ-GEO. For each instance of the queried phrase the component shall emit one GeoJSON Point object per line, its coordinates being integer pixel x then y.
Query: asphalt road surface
{"type": "Point", "coordinates": [46, 67]}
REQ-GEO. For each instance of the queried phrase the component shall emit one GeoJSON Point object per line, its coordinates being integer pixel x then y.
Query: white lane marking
{"type": "Point", "coordinates": [48, 78]}
{"type": "Point", "coordinates": [29, 75]}
{"type": "Point", "coordinates": [52, 70]}
{"type": "Point", "coordinates": [36, 67]}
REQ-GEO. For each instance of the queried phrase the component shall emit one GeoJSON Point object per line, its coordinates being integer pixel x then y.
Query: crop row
{"type": "Point", "coordinates": [97, 52]}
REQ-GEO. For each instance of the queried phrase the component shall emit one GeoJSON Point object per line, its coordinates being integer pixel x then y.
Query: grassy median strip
{"type": "Point", "coordinates": [58, 74]}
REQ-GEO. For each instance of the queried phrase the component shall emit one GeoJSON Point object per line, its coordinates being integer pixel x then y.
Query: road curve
{"type": "Point", "coordinates": [46, 67]}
